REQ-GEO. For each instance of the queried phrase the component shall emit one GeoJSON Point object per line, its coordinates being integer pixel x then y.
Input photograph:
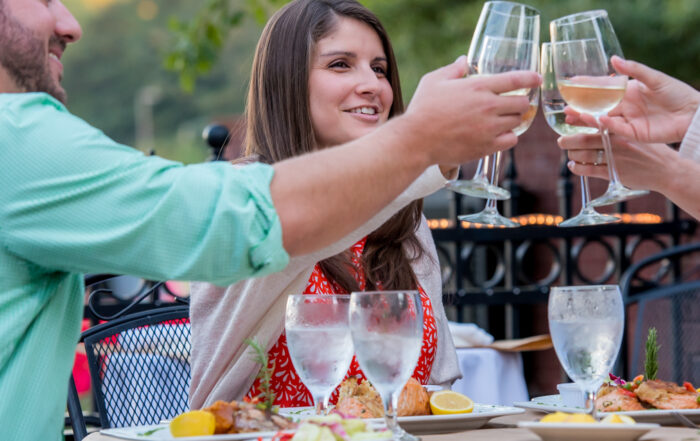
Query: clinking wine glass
{"type": "Point", "coordinates": [498, 19]}
{"type": "Point", "coordinates": [586, 324]}
{"type": "Point", "coordinates": [553, 107]}
{"type": "Point", "coordinates": [582, 45]}
{"type": "Point", "coordinates": [387, 331]}
{"type": "Point", "coordinates": [501, 54]}
{"type": "Point", "coordinates": [319, 342]}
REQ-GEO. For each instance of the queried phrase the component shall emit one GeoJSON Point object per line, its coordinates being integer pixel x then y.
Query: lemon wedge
{"type": "Point", "coordinates": [193, 423]}
{"type": "Point", "coordinates": [580, 418]}
{"type": "Point", "coordinates": [447, 402]}
{"type": "Point", "coordinates": [618, 419]}
{"type": "Point", "coordinates": [556, 417]}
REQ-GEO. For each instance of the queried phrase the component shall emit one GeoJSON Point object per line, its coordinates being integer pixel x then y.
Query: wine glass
{"type": "Point", "coordinates": [553, 107]}
{"type": "Point", "coordinates": [387, 331]}
{"type": "Point", "coordinates": [502, 54]}
{"type": "Point", "coordinates": [586, 323]}
{"type": "Point", "coordinates": [582, 45]}
{"type": "Point", "coordinates": [497, 19]}
{"type": "Point", "coordinates": [319, 342]}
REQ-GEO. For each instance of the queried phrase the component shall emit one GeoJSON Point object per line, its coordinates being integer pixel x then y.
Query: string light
{"type": "Point", "coordinates": [543, 219]}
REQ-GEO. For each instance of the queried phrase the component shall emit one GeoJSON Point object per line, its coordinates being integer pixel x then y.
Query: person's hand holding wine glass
{"type": "Point", "coordinates": [582, 47]}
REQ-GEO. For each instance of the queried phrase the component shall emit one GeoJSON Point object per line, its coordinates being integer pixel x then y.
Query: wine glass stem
{"type": "Point", "coordinates": [321, 402]}
{"type": "Point", "coordinates": [607, 146]}
{"type": "Point", "coordinates": [585, 192]}
{"type": "Point", "coordinates": [495, 168]}
{"type": "Point", "coordinates": [481, 167]}
{"type": "Point", "coordinates": [390, 406]}
{"type": "Point", "coordinates": [590, 404]}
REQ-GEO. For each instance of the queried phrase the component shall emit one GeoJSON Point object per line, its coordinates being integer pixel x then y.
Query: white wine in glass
{"type": "Point", "coordinates": [498, 19]}
{"type": "Point", "coordinates": [582, 45]}
{"type": "Point", "coordinates": [553, 107]}
{"type": "Point", "coordinates": [501, 54]}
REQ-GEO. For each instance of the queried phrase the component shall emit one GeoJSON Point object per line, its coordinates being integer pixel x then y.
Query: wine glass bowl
{"type": "Point", "coordinates": [586, 324]}
{"type": "Point", "coordinates": [553, 105]}
{"type": "Point", "coordinates": [319, 342]}
{"type": "Point", "coordinates": [582, 46]}
{"type": "Point", "coordinates": [387, 331]}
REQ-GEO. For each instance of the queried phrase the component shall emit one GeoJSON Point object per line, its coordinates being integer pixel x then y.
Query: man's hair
{"type": "Point", "coordinates": [279, 126]}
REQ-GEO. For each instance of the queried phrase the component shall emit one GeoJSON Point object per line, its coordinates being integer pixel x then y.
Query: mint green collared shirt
{"type": "Point", "coordinates": [74, 201]}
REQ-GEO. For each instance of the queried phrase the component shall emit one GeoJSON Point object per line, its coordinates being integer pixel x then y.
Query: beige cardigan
{"type": "Point", "coordinates": [224, 318]}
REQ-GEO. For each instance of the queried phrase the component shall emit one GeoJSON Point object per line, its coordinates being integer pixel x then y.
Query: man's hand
{"type": "Point", "coordinates": [656, 107]}
{"type": "Point", "coordinates": [461, 119]}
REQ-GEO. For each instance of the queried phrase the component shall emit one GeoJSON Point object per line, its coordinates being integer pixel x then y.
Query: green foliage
{"type": "Point", "coordinates": [651, 362]}
{"type": "Point", "coordinates": [267, 395]}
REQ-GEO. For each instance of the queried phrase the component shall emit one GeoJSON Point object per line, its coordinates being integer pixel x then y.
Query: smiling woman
{"type": "Point", "coordinates": [324, 73]}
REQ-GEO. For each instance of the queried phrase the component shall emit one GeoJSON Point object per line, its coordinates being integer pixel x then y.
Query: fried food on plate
{"type": "Point", "coordinates": [361, 400]}
{"type": "Point", "coordinates": [239, 417]}
{"type": "Point", "coordinates": [616, 399]}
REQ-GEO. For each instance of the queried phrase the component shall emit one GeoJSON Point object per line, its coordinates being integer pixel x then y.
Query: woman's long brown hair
{"type": "Point", "coordinates": [279, 127]}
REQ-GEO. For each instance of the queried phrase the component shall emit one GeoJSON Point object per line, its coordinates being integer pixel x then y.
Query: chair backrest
{"type": "Point", "coordinates": [663, 291]}
{"type": "Point", "coordinates": [140, 366]}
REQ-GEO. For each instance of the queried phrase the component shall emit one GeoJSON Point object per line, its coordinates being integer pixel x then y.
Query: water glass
{"type": "Point", "coordinates": [586, 324]}
{"type": "Point", "coordinates": [387, 332]}
{"type": "Point", "coordinates": [319, 342]}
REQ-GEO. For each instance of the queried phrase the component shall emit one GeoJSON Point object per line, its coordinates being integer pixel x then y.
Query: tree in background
{"type": "Point", "coordinates": [207, 48]}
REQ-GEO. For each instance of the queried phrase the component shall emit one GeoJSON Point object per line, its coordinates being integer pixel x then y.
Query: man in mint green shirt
{"type": "Point", "coordinates": [74, 201]}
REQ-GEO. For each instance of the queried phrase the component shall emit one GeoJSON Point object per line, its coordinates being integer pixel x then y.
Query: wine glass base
{"type": "Point", "coordinates": [479, 189]}
{"type": "Point", "coordinates": [488, 217]}
{"type": "Point", "coordinates": [589, 217]}
{"type": "Point", "coordinates": [616, 194]}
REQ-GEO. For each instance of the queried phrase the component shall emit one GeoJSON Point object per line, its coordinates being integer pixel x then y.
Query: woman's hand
{"type": "Point", "coordinates": [656, 107]}
{"type": "Point", "coordinates": [639, 165]}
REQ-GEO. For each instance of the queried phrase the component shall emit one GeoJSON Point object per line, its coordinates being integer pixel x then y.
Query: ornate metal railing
{"type": "Point", "coordinates": [511, 267]}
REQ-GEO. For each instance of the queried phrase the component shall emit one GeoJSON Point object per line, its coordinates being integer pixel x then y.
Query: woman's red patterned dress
{"type": "Point", "coordinates": [288, 387]}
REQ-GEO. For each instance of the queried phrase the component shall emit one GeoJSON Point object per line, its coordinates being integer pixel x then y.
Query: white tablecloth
{"type": "Point", "coordinates": [490, 376]}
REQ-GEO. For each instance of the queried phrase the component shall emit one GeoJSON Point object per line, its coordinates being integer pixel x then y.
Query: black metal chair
{"type": "Point", "coordinates": [663, 291]}
{"type": "Point", "coordinates": [139, 368]}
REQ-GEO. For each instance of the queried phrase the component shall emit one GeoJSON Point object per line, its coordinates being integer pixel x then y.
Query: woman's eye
{"type": "Point", "coordinates": [339, 64]}
{"type": "Point", "coordinates": [379, 70]}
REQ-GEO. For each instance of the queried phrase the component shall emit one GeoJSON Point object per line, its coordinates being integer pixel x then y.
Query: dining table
{"type": "Point", "coordinates": [505, 428]}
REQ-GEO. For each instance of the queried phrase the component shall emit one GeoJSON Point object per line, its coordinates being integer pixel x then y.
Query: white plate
{"type": "Point", "coordinates": [161, 432]}
{"type": "Point", "coordinates": [587, 432]}
{"type": "Point", "coordinates": [552, 403]}
{"type": "Point", "coordinates": [430, 424]}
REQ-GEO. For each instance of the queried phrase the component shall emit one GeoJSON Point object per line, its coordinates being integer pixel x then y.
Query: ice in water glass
{"type": "Point", "coordinates": [319, 342]}
{"type": "Point", "coordinates": [586, 324]}
{"type": "Point", "coordinates": [387, 332]}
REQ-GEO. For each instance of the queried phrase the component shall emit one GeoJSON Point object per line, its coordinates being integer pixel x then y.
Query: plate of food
{"type": "Point", "coordinates": [582, 427]}
{"type": "Point", "coordinates": [419, 412]}
{"type": "Point", "coordinates": [222, 421]}
{"type": "Point", "coordinates": [649, 401]}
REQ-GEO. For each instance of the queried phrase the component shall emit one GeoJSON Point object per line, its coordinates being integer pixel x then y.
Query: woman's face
{"type": "Point", "coordinates": [349, 92]}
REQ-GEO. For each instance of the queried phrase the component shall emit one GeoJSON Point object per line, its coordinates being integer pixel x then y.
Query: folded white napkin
{"type": "Point", "coordinates": [468, 334]}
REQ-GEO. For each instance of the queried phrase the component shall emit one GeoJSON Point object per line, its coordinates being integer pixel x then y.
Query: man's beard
{"type": "Point", "coordinates": [25, 59]}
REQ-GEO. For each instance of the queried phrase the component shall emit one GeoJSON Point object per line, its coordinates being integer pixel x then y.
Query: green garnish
{"type": "Point", "coordinates": [267, 396]}
{"type": "Point", "coordinates": [150, 432]}
{"type": "Point", "coordinates": [651, 363]}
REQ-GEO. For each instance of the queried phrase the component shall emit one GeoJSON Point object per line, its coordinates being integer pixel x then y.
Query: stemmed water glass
{"type": "Point", "coordinates": [586, 324]}
{"type": "Point", "coordinates": [497, 19]}
{"type": "Point", "coordinates": [387, 331]}
{"type": "Point", "coordinates": [319, 342]}
{"type": "Point", "coordinates": [582, 45]}
{"type": "Point", "coordinates": [502, 54]}
{"type": "Point", "coordinates": [553, 107]}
